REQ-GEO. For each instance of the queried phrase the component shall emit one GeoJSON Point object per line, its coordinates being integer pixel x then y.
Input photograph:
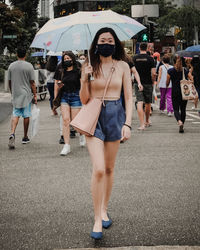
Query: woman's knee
{"type": "Point", "coordinates": [66, 121]}
{"type": "Point", "coordinates": [99, 174]}
{"type": "Point", "coordinates": [109, 170]}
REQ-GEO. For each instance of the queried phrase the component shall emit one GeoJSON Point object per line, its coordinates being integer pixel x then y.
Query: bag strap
{"type": "Point", "coordinates": [107, 83]}
{"type": "Point", "coordinates": [183, 74]}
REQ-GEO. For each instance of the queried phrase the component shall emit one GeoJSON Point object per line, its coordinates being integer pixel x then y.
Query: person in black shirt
{"type": "Point", "coordinates": [175, 74]}
{"type": "Point", "coordinates": [145, 67]}
{"type": "Point", "coordinates": [68, 75]}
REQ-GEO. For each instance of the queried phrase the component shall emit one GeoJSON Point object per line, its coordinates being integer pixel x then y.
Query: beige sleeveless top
{"type": "Point", "coordinates": [97, 86]}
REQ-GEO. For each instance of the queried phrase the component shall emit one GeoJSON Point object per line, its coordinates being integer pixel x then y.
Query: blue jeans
{"type": "Point", "coordinates": [71, 99]}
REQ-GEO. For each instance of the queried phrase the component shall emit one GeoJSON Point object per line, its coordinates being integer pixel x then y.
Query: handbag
{"type": "Point", "coordinates": [188, 89]}
{"type": "Point", "coordinates": [57, 100]}
{"type": "Point", "coordinates": [85, 121]}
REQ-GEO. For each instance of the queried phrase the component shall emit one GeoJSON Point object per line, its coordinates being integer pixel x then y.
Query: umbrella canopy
{"type": "Point", "coordinates": [37, 53]}
{"type": "Point", "coordinates": [76, 31]}
{"type": "Point", "coordinates": [195, 48]}
{"type": "Point", "coordinates": [184, 53]}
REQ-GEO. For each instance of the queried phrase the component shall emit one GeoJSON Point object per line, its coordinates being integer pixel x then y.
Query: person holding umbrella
{"type": "Point", "coordinates": [107, 55]}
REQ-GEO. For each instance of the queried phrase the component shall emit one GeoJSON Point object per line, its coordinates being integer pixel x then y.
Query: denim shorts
{"type": "Point", "coordinates": [71, 99]}
{"type": "Point", "coordinates": [24, 112]}
{"type": "Point", "coordinates": [145, 95]}
{"type": "Point", "coordinates": [110, 122]}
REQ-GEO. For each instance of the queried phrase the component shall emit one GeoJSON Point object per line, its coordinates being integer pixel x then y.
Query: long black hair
{"type": "Point", "coordinates": [119, 53]}
{"type": "Point", "coordinates": [52, 63]}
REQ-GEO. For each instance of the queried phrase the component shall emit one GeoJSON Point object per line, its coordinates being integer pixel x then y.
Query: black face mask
{"type": "Point", "coordinates": [105, 49]}
{"type": "Point", "coordinates": [67, 64]}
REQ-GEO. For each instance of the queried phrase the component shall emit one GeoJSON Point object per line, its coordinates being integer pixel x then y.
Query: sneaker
{"type": "Point", "coordinates": [162, 111]}
{"type": "Point", "coordinates": [170, 114]}
{"type": "Point", "coordinates": [65, 150]}
{"type": "Point", "coordinates": [61, 141]}
{"type": "Point", "coordinates": [82, 140]}
{"type": "Point", "coordinates": [72, 133]}
{"type": "Point", "coordinates": [25, 140]}
{"type": "Point", "coordinates": [11, 143]}
{"type": "Point", "coordinates": [181, 129]}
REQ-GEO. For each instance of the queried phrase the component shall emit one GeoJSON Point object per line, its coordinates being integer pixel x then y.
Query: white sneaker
{"type": "Point", "coordinates": [170, 114]}
{"type": "Point", "coordinates": [162, 111]}
{"type": "Point", "coordinates": [82, 140]}
{"type": "Point", "coordinates": [65, 150]}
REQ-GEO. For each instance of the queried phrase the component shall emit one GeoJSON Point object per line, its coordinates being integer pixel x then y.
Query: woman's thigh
{"type": "Point", "coordinates": [65, 111]}
{"type": "Point", "coordinates": [110, 152]}
{"type": "Point", "coordinates": [74, 112]}
{"type": "Point", "coordinates": [96, 151]}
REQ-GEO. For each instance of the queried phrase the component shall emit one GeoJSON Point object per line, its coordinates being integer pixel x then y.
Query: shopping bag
{"type": "Point", "coordinates": [35, 120]}
{"type": "Point", "coordinates": [85, 121]}
{"type": "Point", "coordinates": [188, 89]}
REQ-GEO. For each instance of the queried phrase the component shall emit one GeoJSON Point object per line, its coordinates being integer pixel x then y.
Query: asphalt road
{"type": "Point", "coordinates": [46, 202]}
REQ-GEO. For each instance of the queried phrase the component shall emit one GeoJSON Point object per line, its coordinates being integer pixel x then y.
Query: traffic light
{"type": "Point", "coordinates": [144, 37]}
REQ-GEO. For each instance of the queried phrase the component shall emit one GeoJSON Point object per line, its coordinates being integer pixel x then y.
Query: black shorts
{"type": "Point", "coordinates": [145, 95]}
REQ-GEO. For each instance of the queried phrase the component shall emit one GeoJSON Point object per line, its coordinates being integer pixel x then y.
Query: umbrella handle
{"type": "Point", "coordinates": [91, 75]}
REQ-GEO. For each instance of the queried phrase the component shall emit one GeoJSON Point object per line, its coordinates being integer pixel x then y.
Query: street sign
{"type": "Point", "coordinates": [9, 36]}
{"type": "Point", "coordinates": [149, 10]}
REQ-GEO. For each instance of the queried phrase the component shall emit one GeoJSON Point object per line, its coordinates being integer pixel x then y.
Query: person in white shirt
{"type": "Point", "coordinates": [165, 92]}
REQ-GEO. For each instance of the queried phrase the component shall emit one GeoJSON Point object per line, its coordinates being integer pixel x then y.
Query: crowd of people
{"type": "Point", "coordinates": [71, 78]}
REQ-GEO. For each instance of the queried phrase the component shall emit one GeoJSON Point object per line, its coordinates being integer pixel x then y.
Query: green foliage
{"type": "Point", "coordinates": [185, 18]}
{"type": "Point", "coordinates": [29, 10]}
{"type": "Point", "coordinates": [11, 23]}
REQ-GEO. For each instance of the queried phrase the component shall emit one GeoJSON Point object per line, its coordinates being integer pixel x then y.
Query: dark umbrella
{"type": "Point", "coordinates": [195, 48]}
{"type": "Point", "coordinates": [184, 53]}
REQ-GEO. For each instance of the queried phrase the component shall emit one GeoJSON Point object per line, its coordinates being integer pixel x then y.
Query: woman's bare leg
{"type": "Point", "coordinates": [96, 151]}
{"type": "Point", "coordinates": [65, 111]}
{"type": "Point", "coordinates": [74, 112]}
{"type": "Point", "coordinates": [111, 149]}
{"type": "Point", "coordinates": [140, 112]}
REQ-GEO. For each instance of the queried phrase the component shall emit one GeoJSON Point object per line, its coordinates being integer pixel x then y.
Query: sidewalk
{"type": "Point", "coordinates": [46, 202]}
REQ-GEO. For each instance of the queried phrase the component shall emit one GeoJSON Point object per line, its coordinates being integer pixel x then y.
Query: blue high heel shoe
{"type": "Point", "coordinates": [106, 223]}
{"type": "Point", "coordinates": [96, 235]}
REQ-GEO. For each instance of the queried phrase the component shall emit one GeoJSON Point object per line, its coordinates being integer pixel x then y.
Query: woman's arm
{"type": "Point", "coordinates": [168, 80]}
{"type": "Point", "coordinates": [137, 77]}
{"type": "Point", "coordinates": [127, 87]}
{"type": "Point", "coordinates": [85, 91]}
{"type": "Point", "coordinates": [190, 75]}
{"type": "Point", "coordinates": [159, 75]}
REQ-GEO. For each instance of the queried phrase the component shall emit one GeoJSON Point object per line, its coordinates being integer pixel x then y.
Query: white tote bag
{"type": "Point", "coordinates": [35, 120]}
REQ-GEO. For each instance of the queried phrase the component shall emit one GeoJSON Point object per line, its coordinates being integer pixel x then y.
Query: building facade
{"type": "Point", "coordinates": [43, 8]}
{"type": "Point", "coordinates": [66, 7]}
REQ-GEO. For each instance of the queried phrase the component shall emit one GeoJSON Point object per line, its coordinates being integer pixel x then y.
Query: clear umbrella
{"type": "Point", "coordinates": [76, 31]}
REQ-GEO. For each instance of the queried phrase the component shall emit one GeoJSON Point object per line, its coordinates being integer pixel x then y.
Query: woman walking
{"type": "Point", "coordinates": [165, 92]}
{"type": "Point", "coordinates": [69, 76]}
{"type": "Point", "coordinates": [51, 68]}
{"type": "Point", "coordinates": [107, 55]}
{"type": "Point", "coordinates": [175, 74]}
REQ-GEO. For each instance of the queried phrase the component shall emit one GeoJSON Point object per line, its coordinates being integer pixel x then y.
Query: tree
{"type": "Point", "coordinates": [11, 23]}
{"type": "Point", "coordinates": [185, 18]}
{"type": "Point", "coordinates": [29, 9]}
{"type": "Point", "coordinates": [124, 7]}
